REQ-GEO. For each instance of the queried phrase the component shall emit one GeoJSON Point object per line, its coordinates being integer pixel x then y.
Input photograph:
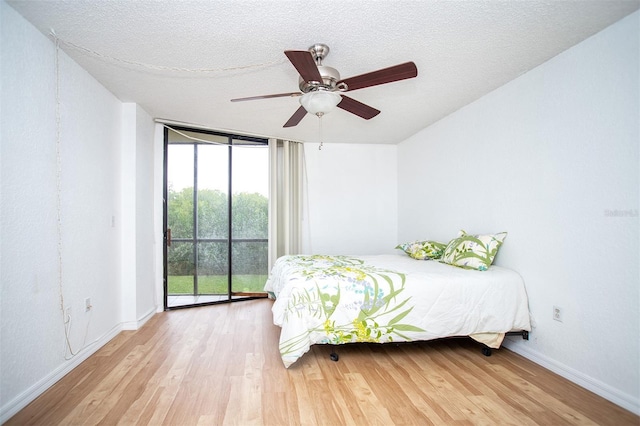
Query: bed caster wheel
{"type": "Point", "coordinates": [334, 356]}
{"type": "Point", "coordinates": [486, 351]}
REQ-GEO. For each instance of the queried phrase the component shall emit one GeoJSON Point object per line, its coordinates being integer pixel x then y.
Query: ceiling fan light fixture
{"type": "Point", "coordinates": [320, 101]}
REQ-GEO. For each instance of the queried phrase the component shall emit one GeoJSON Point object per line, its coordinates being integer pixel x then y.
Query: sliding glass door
{"type": "Point", "coordinates": [216, 217]}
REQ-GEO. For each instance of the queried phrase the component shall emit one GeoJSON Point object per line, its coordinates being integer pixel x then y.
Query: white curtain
{"type": "Point", "coordinates": [286, 178]}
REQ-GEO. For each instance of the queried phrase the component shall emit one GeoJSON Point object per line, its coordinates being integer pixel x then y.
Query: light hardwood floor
{"type": "Point", "coordinates": [220, 365]}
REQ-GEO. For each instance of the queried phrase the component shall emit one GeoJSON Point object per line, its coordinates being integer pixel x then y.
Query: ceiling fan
{"type": "Point", "coordinates": [321, 87]}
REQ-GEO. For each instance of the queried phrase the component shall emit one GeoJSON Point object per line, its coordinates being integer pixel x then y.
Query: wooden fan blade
{"type": "Point", "coordinates": [296, 117]}
{"type": "Point", "coordinates": [303, 61]}
{"type": "Point", "coordinates": [357, 108]}
{"type": "Point", "coordinates": [277, 95]}
{"type": "Point", "coordinates": [383, 76]}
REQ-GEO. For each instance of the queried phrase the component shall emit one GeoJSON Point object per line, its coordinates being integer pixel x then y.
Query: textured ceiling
{"type": "Point", "coordinates": [234, 48]}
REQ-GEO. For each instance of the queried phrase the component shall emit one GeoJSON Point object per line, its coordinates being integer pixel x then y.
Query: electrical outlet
{"type": "Point", "coordinates": [87, 304]}
{"type": "Point", "coordinates": [557, 313]}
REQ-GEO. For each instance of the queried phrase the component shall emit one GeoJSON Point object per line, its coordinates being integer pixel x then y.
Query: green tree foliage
{"type": "Point", "coordinates": [250, 215]}
{"type": "Point", "coordinates": [250, 221]}
{"type": "Point", "coordinates": [213, 214]}
{"type": "Point", "coordinates": [181, 213]}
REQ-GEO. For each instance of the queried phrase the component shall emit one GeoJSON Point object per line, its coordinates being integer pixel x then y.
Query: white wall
{"type": "Point", "coordinates": [33, 347]}
{"type": "Point", "coordinates": [137, 227]}
{"type": "Point", "coordinates": [146, 240]}
{"type": "Point", "coordinates": [352, 199]}
{"type": "Point", "coordinates": [552, 158]}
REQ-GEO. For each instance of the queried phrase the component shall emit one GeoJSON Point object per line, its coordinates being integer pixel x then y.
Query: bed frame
{"type": "Point", "coordinates": [486, 350]}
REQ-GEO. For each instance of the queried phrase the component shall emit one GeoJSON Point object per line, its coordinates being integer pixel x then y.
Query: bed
{"type": "Point", "coordinates": [390, 298]}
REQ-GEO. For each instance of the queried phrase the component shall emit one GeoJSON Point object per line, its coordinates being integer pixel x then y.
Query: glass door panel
{"type": "Point", "coordinates": [180, 220]}
{"type": "Point", "coordinates": [250, 217]}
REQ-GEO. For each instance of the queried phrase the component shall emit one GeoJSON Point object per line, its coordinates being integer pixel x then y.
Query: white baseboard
{"type": "Point", "coordinates": [11, 408]}
{"type": "Point", "coordinates": [135, 325]}
{"type": "Point", "coordinates": [621, 399]}
{"type": "Point", "coordinates": [18, 403]}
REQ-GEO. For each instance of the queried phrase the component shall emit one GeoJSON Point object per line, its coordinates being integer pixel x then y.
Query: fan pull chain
{"type": "Point", "coordinates": [320, 126]}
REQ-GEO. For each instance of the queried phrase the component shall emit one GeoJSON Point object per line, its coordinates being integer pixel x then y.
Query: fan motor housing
{"type": "Point", "coordinates": [330, 76]}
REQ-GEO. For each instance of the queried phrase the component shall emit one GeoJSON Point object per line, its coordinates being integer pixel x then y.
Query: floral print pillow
{"type": "Point", "coordinates": [422, 250]}
{"type": "Point", "coordinates": [473, 251]}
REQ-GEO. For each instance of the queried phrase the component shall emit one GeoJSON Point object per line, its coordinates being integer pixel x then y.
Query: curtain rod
{"type": "Point", "coordinates": [203, 127]}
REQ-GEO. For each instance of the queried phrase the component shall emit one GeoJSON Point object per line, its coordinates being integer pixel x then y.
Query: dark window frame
{"type": "Point", "coordinates": [165, 193]}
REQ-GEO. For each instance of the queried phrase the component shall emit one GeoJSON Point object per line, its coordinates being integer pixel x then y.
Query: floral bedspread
{"type": "Point", "coordinates": [387, 298]}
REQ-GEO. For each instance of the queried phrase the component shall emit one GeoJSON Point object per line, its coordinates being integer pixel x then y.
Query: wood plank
{"type": "Point", "coordinates": [220, 365]}
{"type": "Point", "coordinates": [376, 411]}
